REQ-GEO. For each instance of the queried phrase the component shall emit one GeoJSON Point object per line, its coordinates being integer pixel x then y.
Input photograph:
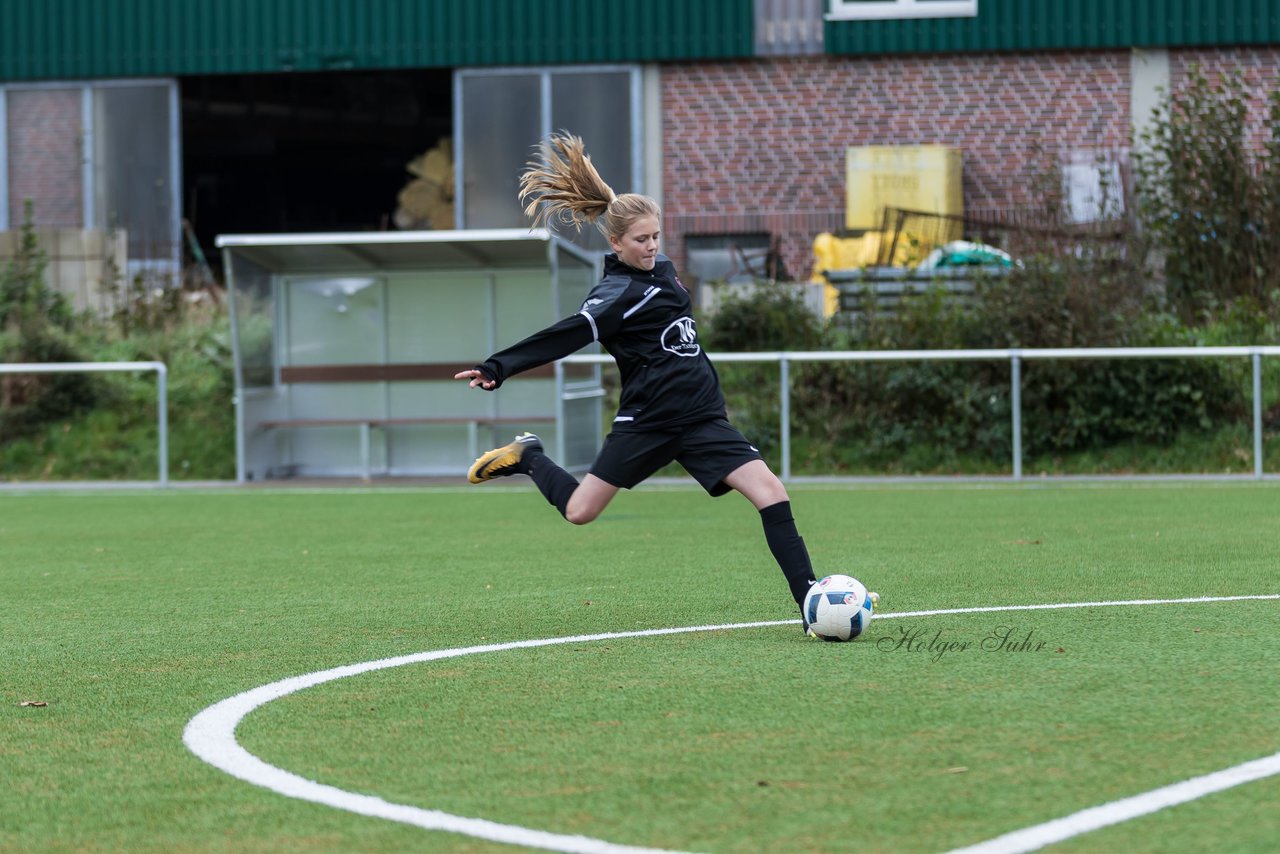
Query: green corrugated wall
{"type": "Point", "coordinates": [61, 39]}
{"type": "Point", "coordinates": [1003, 25]}
{"type": "Point", "coordinates": [69, 39]}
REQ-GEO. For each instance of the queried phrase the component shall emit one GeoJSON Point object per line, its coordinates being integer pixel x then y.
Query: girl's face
{"type": "Point", "coordinates": [638, 246]}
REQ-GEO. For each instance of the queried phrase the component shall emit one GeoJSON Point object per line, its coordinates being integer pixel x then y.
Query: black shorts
{"type": "Point", "coordinates": [708, 450]}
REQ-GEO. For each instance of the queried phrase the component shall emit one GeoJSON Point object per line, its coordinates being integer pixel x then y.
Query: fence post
{"type": "Point", "coordinates": [162, 417]}
{"type": "Point", "coordinates": [784, 381]}
{"type": "Point", "coordinates": [560, 416]}
{"type": "Point", "coordinates": [1015, 382]}
{"type": "Point", "coordinates": [1257, 416]}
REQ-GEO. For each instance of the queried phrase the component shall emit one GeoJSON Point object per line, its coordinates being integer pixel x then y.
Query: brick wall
{"type": "Point", "coordinates": [1259, 68]}
{"type": "Point", "coordinates": [44, 152]}
{"type": "Point", "coordinates": [759, 145]}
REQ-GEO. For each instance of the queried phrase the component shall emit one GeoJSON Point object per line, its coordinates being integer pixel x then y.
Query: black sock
{"type": "Point", "coordinates": [555, 483]}
{"type": "Point", "coordinates": [788, 548]}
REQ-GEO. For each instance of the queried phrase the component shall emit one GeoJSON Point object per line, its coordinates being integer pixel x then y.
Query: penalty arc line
{"type": "Point", "coordinates": [1115, 812]}
{"type": "Point", "coordinates": [210, 735]}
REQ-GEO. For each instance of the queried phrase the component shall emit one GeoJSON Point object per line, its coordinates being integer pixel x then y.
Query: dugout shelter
{"type": "Point", "coordinates": [345, 347]}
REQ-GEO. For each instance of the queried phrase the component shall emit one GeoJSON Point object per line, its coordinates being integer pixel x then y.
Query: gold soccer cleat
{"type": "Point", "coordinates": [503, 461]}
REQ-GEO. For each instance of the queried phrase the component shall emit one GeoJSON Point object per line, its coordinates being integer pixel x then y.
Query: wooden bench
{"type": "Point", "coordinates": [366, 425]}
{"type": "Point", "coordinates": [400, 372]}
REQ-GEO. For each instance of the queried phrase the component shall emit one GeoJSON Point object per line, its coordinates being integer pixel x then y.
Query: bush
{"type": "Point", "coordinates": [36, 325]}
{"type": "Point", "coordinates": [771, 318]}
{"type": "Point", "coordinates": [1211, 203]}
{"type": "Point", "coordinates": [1069, 406]}
{"type": "Point", "coordinates": [87, 426]}
{"type": "Point", "coordinates": [947, 415]}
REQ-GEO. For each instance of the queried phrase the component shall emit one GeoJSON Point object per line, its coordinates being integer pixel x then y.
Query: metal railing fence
{"type": "Point", "coordinates": [1015, 356]}
{"type": "Point", "coordinates": [162, 393]}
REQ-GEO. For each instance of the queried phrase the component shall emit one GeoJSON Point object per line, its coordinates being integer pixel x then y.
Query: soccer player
{"type": "Point", "coordinates": [671, 406]}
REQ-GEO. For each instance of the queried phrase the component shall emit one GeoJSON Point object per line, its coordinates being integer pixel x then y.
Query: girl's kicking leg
{"type": "Point", "coordinates": [768, 495]}
{"type": "Point", "coordinates": [579, 503]}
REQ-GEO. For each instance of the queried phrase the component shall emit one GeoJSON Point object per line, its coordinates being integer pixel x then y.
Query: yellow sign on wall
{"type": "Point", "coordinates": [912, 177]}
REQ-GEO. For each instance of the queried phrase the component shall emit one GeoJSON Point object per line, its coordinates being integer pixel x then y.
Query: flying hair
{"type": "Point", "coordinates": [564, 186]}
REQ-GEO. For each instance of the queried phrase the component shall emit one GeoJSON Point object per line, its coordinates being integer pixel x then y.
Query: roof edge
{"type": "Point", "coordinates": [481, 235]}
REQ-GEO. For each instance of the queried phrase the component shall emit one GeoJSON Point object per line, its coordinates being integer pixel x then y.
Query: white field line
{"type": "Point", "coordinates": [1034, 838]}
{"type": "Point", "coordinates": [210, 735]}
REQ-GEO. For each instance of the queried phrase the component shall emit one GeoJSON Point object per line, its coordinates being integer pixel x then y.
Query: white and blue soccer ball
{"type": "Point", "coordinates": [837, 608]}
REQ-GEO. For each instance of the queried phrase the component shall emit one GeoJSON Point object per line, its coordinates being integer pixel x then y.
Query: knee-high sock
{"type": "Point", "coordinates": [555, 483]}
{"type": "Point", "coordinates": [788, 548]}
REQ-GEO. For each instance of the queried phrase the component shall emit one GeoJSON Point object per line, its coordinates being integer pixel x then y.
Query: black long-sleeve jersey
{"type": "Point", "coordinates": [645, 321]}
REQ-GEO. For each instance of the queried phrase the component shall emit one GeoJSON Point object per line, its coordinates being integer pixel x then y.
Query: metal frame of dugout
{"type": "Point", "coordinates": [345, 347]}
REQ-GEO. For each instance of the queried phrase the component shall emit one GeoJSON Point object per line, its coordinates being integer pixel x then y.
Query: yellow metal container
{"type": "Point", "coordinates": [911, 177]}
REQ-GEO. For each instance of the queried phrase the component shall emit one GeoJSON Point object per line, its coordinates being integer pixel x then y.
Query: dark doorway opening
{"type": "Point", "coordinates": [266, 153]}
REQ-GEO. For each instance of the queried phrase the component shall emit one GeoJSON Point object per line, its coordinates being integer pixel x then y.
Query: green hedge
{"type": "Point", "coordinates": [956, 416]}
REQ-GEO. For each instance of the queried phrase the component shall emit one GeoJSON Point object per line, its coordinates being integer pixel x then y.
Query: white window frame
{"type": "Point", "coordinates": [171, 265]}
{"type": "Point", "coordinates": [887, 10]}
{"type": "Point", "coordinates": [544, 72]}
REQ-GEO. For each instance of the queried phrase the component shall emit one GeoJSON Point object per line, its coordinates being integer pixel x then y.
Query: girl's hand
{"type": "Point", "coordinates": [476, 379]}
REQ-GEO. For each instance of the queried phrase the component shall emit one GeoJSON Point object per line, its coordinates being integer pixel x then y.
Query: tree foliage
{"type": "Point", "coordinates": [36, 326]}
{"type": "Point", "coordinates": [1210, 197]}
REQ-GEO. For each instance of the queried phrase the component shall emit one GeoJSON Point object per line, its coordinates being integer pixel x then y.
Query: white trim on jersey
{"type": "Point", "coordinates": [595, 333]}
{"type": "Point", "coordinates": [648, 295]}
{"type": "Point", "coordinates": [624, 418]}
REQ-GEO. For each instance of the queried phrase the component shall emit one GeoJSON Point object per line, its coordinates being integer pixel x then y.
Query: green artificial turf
{"type": "Point", "coordinates": [128, 613]}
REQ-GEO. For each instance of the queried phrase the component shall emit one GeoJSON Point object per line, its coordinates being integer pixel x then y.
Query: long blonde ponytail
{"type": "Point", "coordinates": [564, 186]}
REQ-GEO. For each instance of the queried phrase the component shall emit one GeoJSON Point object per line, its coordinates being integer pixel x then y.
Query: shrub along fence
{"type": "Point", "coordinates": [162, 393]}
{"type": "Point", "coordinates": [1014, 356]}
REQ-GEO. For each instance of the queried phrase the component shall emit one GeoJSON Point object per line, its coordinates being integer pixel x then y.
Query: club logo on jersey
{"type": "Point", "coordinates": [681, 338]}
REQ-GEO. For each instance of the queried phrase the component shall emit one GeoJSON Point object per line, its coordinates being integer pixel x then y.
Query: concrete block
{"type": "Point", "coordinates": [69, 243]}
